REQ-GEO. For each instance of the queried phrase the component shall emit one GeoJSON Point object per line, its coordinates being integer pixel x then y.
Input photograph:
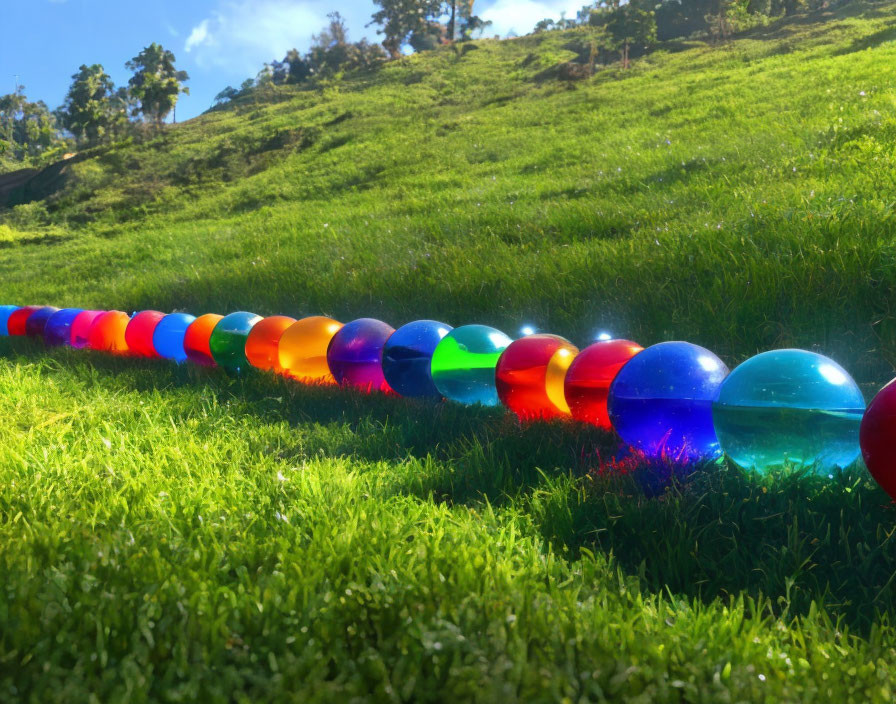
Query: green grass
{"type": "Point", "coordinates": [175, 534]}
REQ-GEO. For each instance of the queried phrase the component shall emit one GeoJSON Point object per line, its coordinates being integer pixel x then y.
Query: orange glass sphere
{"type": "Point", "coordinates": [303, 349]}
{"type": "Point", "coordinates": [196, 339]}
{"type": "Point", "coordinates": [529, 376]}
{"type": "Point", "coordinates": [107, 334]}
{"type": "Point", "coordinates": [262, 345]}
{"type": "Point", "coordinates": [590, 375]}
{"type": "Point", "coordinates": [140, 331]}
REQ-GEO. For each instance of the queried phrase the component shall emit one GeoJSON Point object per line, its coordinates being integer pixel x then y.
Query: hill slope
{"type": "Point", "coordinates": [177, 534]}
{"type": "Point", "coordinates": [738, 196]}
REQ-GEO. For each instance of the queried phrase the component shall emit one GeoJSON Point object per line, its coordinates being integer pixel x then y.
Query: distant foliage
{"type": "Point", "coordinates": [628, 25]}
{"type": "Point", "coordinates": [332, 52]}
{"type": "Point", "coordinates": [470, 25]}
{"type": "Point", "coordinates": [88, 110]}
{"type": "Point", "coordinates": [95, 111]}
{"type": "Point", "coordinates": [330, 56]}
{"type": "Point", "coordinates": [405, 22]}
{"type": "Point", "coordinates": [156, 83]}
{"type": "Point", "coordinates": [28, 130]}
{"type": "Point", "coordinates": [715, 19]}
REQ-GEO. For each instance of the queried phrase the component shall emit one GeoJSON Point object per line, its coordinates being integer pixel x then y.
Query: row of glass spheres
{"type": "Point", "coordinates": [673, 400]}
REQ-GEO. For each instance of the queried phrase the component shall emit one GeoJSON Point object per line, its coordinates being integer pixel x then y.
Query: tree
{"type": "Point", "coordinates": [428, 37]}
{"type": "Point", "coordinates": [400, 19]}
{"type": "Point", "coordinates": [470, 25]}
{"type": "Point", "coordinates": [226, 95]}
{"type": "Point", "coordinates": [121, 106]}
{"type": "Point", "coordinates": [331, 52]}
{"type": "Point", "coordinates": [727, 16]}
{"type": "Point", "coordinates": [87, 110]}
{"type": "Point", "coordinates": [27, 130]}
{"type": "Point", "coordinates": [265, 76]}
{"type": "Point", "coordinates": [462, 23]}
{"type": "Point", "coordinates": [452, 19]}
{"type": "Point", "coordinates": [156, 83]}
{"type": "Point", "coordinates": [330, 49]}
{"type": "Point", "coordinates": [10, 112]}
{"type": "Point", "coordinates": [279, 72]}
{"type": "Point", "coordinates": [299, 67]}
{"type": "Point", "coordinates": [631, 24]}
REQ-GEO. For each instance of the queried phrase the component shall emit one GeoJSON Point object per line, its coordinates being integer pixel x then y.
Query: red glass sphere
{"type": "Point", "coordinates": [139, 333]}
{"type": "Point", "coordinates": [876, 438]}
{"type": "Point", "coordinates": [18, 318]}
{"type": "Point", "coordinates": [529, 376]}
{"type": "Point", "coordinates": [590, 375]}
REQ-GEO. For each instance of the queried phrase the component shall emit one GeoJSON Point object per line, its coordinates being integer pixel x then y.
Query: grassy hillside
{"type": "Point", "coordinates": [738, 196]}
{"type": "Point", "coordinates": [172, 534]}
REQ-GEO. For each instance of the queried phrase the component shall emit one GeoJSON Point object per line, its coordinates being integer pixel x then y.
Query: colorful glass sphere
{"type": "Point", "coordinates": [5, 312]}
{"type": "Point", "coordinates": [196, 339]}
{"type": "Point", "coordinates": [37, 321]}
{"type": "Point", "coordinates": [228, 340]}
{"type": "Point", "coordinates": [107, 334]}
{"type": "Point", "coordinates": [168, 337]}
{"type": "Point", "coordinates": [876, 435]}
{"type": "Point", "coordinates": [262, 345]}
{"type": "Point", "coordinates": [302, 349]}
{"type": "Point", "coordinates": [660, 402]}
{"type": "Point", "coordinates": [140, 331]}
{"type": "Point", "coordinates": [407, 357]}
{"type": "Point", "coordinates": [463, 364]}
{"type": "Point", "coordinates": [15, 324]}
{"type": "Point", "coordinates": [81, 327]}
{"type": "Point", "coordinates": [789, 408]}
{"type": "Point", "coordinates": [588, 380]}
{"type": "Point", "coordinates": [58, 330]}
{"type": "Point", "coordinates": [529, 376]}
{"type": "Point", "coordinates": [356, 352]}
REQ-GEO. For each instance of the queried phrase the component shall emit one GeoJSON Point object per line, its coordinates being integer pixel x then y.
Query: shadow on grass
{"type": "Point", "coordinates": [798, 538]}
{"type": "Point", "coordinates": [787, 26]}
{"type": "Point", "coordinates": [869, 42]}
{"type": "Point", "coordinates": [470, 454]}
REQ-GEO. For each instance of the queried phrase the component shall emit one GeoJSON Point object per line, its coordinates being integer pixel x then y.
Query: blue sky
{"type": "Point", "coordinates": [219, 42]}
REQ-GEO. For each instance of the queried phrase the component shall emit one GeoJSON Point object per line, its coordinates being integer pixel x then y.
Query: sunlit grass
{"type": "Point", "coordinates": [179, 534]}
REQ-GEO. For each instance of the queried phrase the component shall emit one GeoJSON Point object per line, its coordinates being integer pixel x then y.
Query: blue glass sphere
{"type": "Point", "coordinates": [5, 312]}
{"type": "Point", "coordinates": [168, 336]}
{"type": "Point", "coordinates": [661, 401]}
{"type": "Point", "coordinates": [58, 330]}
{"type": "Point", "coordinates": [37, 321]}
{"type": "Point", "coordinates": [789, 408]}
{"type": "Point", "coordinates": [407, 357]}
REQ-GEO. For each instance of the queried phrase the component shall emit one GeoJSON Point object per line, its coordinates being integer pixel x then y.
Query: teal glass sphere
{"type": "Point", "coordinates": [789, 409]}
{"type": "Point", "coordinates": [463, 364]}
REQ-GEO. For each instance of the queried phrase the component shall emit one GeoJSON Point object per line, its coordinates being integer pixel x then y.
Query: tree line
{"type": "Point", "coordinates": [96, 111]}
{"type": "Point", "coordinates": [622, 26]}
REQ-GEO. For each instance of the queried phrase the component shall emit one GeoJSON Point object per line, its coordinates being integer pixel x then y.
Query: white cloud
{"type": "Point", "coordinates": [198, 36]}
{"type": "Point", "coordinates": [520, 16]}
{"type": "Point", "coordinates": [243, 34]}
